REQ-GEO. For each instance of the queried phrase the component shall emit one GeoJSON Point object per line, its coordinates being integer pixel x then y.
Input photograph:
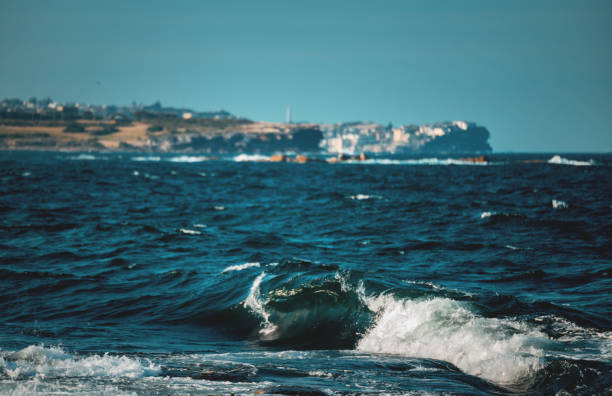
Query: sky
{"type": "Point", "coordinates": [537, 74]}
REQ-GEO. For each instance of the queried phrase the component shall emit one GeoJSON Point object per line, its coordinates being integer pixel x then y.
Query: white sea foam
{"type": "Point", "coordinates": [485, 215]}
{"type": "Point", "coordinates": [37, 361]}
{"type": "Point", "coordinates": [584, 343]}
{"type": "Point", "coordinates": [250, 158]}
{"type": "Point", "coordinates": [254, 302]}
{"type": "Point", "coordinates": [189, 158]}
{"type": "Point", "coordinates": [240, 267]}
{"type": "Point", "coordinates": [558, 204]}
{"type": "Point", "coordinates": [361, 197]}
{"type": "Point", "coordinates": [187, 231]}
{"type": "Point", "coordinates": [37, 386]}
{"type": "Point", "coordinates": [147, 159]}
{"type": "Point", "coordinates": [420, 161]}
{"type": "Point", "coordinates": [86, 157]}
{"type": "Point", "coordinates": [501, 350]}
{"type": "Point", "coordinates": [557, 159]}
{"type": "Point", "coordinates": [219, 207]}
{"type": "Point", "coordinates": [320, 373]}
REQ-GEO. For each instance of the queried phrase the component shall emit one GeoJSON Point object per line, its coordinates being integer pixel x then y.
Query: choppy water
{"type": "Point", "coordinates": [132, 274]}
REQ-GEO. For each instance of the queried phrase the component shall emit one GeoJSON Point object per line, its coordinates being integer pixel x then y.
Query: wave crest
{"type": "Point", "coordinates": [558, 160]}
{"type": "Point", "coordinates": [323, 313]}
{"type": "Point", "coordinates": [500, 350]}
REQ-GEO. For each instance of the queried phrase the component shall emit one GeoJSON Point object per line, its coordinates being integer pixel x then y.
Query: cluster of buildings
{"type": "Point", "coordinates": [358, 137]}
{"type": "Point", "coordinates": [48, 109]}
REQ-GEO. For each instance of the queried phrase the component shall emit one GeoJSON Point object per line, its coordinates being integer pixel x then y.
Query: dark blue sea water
{"type": "Point", "coordinates": [124, 274]}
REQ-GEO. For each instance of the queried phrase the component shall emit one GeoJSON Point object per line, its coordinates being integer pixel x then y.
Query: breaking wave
{"type": "Point", "coordinates": [53, 362]}
{"type": "Point", "coordinates": [502, 351]}
{"type": "Point", "coordinates": [331, 312]}
{"type": "Point", "coordinates": [558, 160]}
{"type": "Point", "coordinates": [305, 315]}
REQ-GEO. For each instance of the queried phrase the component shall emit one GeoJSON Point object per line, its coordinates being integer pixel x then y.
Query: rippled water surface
{"type": "Point", "coordinates": [167, 274]}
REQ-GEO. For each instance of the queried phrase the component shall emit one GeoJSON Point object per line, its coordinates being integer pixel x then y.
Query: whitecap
{"type": "Point", "coordinates": [558, 160]}
{"type": "Point", "coordinates": [361, 197]}
{"type": "Point", "coordinates": [240, 267]}
{"type": "Point", "coordinates": [86, 157]}
{"type": "Point", "coordinates": [218, 207]}
{"type": "Point", "coordinates": [558, 204]}
{"type": "Point", "coordinates": [485, 215]}
{"type": "Point", "coordinates": [500, 350]}
{"type": "Point", "coordinates": [187, 231]}
{"type": "Point", "coordinates": [26, 174]}
{"type": "Point", "coordinates": [250, 158]}
{"type": "Point", "coordinates": [189, 158]}
{"type": "Point", "coordinates": [147, 159]}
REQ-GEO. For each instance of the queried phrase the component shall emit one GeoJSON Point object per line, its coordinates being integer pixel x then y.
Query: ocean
{"type": "Point", "coordinates": [172, 274]}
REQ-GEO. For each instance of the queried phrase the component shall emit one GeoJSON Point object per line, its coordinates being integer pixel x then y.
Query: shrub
{"type": "Point", "coordinates": [107, 130]}
{"type": "Point", "coordinates": [74, 128]}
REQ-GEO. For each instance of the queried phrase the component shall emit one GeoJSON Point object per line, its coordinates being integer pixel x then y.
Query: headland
{"type": "Point", "coordinates": [47, 125]}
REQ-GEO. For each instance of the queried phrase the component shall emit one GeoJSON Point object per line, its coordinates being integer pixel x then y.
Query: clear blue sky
{"type": "Point", "coordinates": [536, 73]}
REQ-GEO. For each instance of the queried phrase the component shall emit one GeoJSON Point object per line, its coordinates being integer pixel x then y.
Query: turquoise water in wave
{"type": "Point", "coordinates": [169, 274]}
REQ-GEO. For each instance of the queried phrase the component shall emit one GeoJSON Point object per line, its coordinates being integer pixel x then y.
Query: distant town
{"type": "Point", "coordinates": [44, 124]}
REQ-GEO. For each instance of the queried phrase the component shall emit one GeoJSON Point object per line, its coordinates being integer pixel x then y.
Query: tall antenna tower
{"type": "Point", "coordinates": [288, 115]}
